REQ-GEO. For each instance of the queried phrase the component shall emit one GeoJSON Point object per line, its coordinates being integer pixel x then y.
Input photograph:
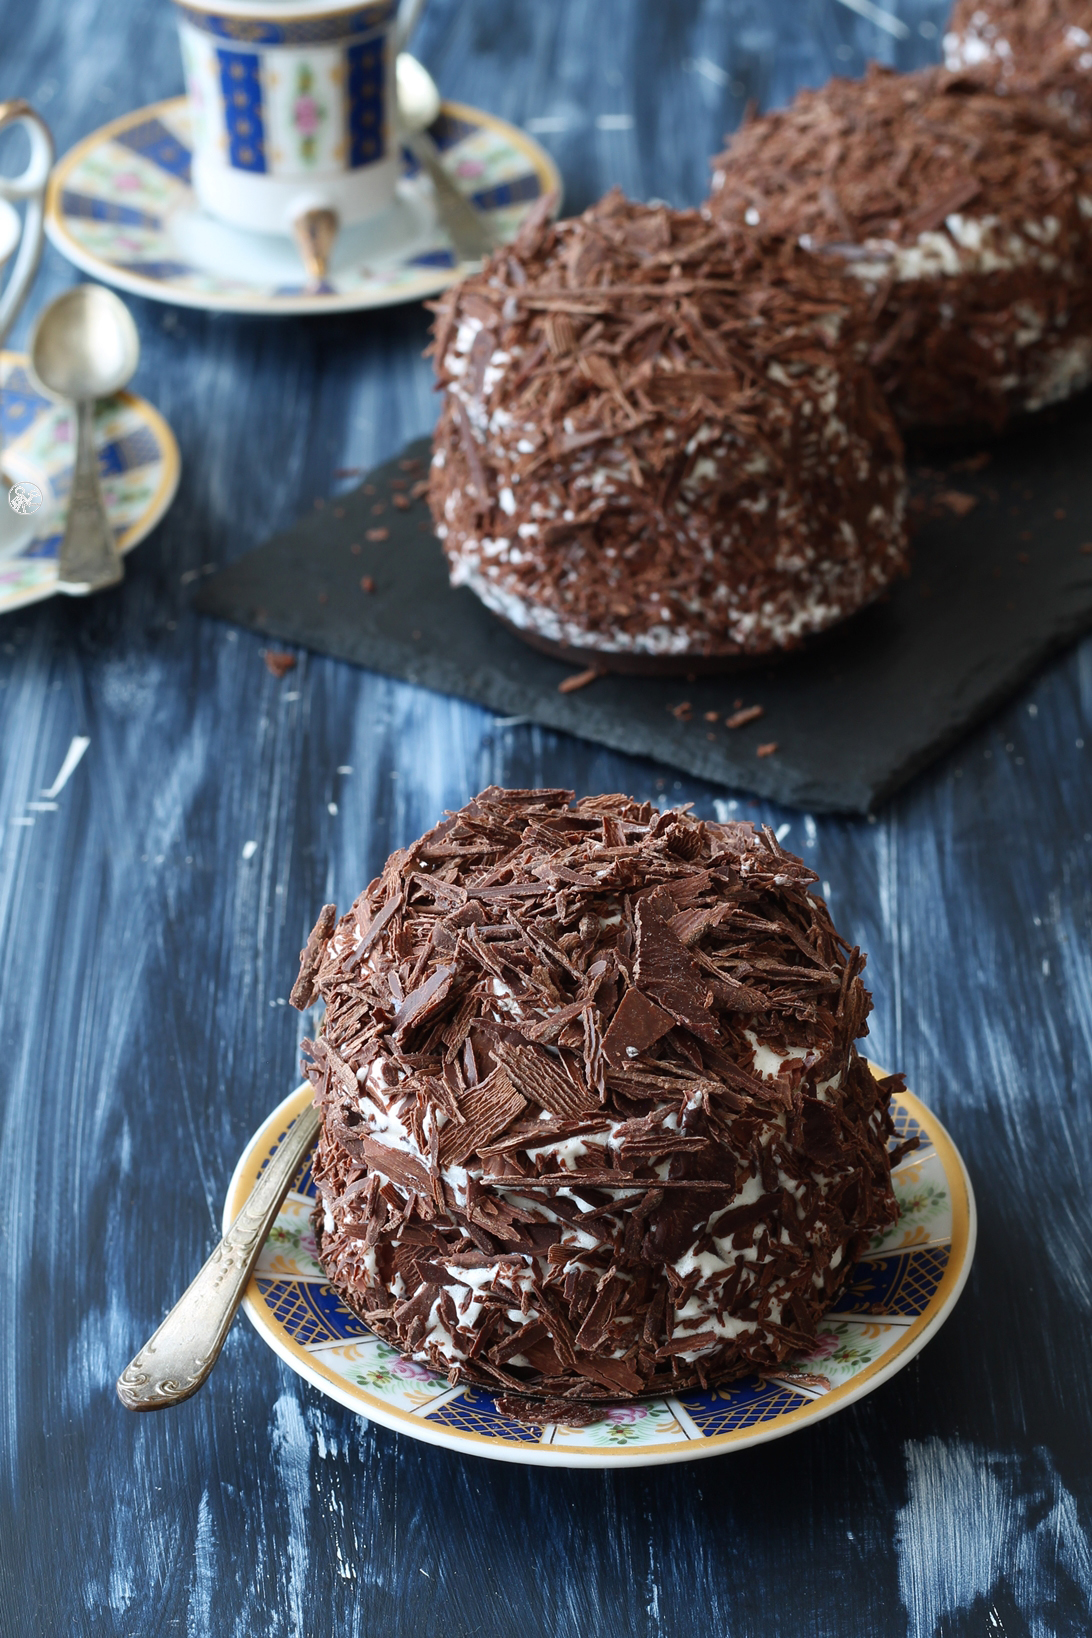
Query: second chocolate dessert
{"type": "Point", "coordinates": [961, 214]}
{"type": "Point", "coordinates": [662, 444]}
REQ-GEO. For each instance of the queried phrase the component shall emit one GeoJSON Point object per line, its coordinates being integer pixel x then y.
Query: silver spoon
{"type": "Point", "coordinates": [176, 1361]}
{"type": "Point", "coordinates": [418, 105]}
{"type": "Point", "coordinates": [85, 346]}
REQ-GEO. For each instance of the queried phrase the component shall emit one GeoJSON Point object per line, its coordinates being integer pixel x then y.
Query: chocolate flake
{"type": "Point", "coordinates": [637, 1025]}
{"type": "Point", "coordinates": [304, 990]}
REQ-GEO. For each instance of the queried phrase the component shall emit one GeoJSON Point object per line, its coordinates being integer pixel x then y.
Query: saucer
{"type": "Point", "coordinates": [138, 464]}
{"type": "Point", "coordinates": [120, 206]}
{"type": "Point", "coordinates": [896, 1299]}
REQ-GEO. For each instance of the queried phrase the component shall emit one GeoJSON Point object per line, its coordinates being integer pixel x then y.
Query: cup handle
{"type": "Point", "coordinates": [30, 185]}
{"type": "Point", "coordinates": [409, 13]}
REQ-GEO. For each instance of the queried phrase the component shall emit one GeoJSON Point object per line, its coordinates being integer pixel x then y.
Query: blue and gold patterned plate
{"type": "Point", "coordinates": [899, 1295]}
{"type": "Point", "coordinates": [121, 207]}
{"type": "Point", "coordinates": [138, 464]}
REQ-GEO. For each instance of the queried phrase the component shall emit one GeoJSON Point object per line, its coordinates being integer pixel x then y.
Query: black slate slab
{"type": "Point", "coordinates": [993, 591]}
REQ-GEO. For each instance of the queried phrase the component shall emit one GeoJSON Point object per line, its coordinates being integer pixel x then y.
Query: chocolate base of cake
{"type": "Point", "coordinates": [635, 664]}
{"type": "Point", "coordinates": [613, 662]}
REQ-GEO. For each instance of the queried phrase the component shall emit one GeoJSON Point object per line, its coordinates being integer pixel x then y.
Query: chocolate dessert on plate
{"type": "Point", "coordinates": [661, 447]}
{"type": "Point", "coordinates": [594, 1123]}
{"type": "Point", "coordinates": [964, 216]}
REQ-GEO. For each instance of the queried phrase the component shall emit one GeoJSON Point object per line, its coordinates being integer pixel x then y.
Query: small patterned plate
{"type": "Point", "coordinates": [138, 463]}
{"type": "Point", "coordinates": [120, 206]}
{"type": "Point", "coordinates": [899, 1295]}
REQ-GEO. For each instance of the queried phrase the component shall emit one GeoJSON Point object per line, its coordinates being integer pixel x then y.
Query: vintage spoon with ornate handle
{"type": "Point", "coordinates": [176, 1361]}
{"type": "Point", "coordinates": [85, 346]}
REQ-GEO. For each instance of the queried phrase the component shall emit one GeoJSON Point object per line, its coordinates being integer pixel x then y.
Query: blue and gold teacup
{"type": "Point", "coordinates": [292, 104]}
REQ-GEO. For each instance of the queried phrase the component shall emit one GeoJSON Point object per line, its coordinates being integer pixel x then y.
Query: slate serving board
{"type": "Point", "coordinates": [993, 591]}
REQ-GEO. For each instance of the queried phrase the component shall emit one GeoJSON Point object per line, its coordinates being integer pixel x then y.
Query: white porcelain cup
{"type": "Point", "coordinates": [292, 103]}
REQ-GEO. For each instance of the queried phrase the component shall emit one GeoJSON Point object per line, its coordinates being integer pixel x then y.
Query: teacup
{"type": "Point", "coordinates": [22, 239]}
{"type": "Point", "coordinates": [292, 103]}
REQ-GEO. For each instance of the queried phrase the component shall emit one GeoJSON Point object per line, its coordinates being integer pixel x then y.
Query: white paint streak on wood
{"type": "Point", "coordinates": [291, 1445]}
{"type": "Point", "coordinates": [976, 1519]}
{"type": "Point", "coordinates": [68, 767]}
{"type": "Point", "coordinates": [203, 1585]}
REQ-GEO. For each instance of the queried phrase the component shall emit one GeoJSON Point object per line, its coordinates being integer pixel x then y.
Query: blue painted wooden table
{"type": "Point", "coordinates": [150, 927]}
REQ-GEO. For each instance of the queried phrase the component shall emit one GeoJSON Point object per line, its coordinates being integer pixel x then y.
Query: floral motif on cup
{"type": "Point", "coordinates": [308, 114]}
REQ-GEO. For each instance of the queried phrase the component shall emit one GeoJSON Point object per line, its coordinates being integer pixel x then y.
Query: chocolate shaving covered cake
{"type": "Point", "coordinates": [593, 1120]}
{"type": "Point", "coordinates": [1031, 47]}
{"type": "Point", "coordinates": [659, 444]}
{"type": "Point", "coordinates": [964, 216]}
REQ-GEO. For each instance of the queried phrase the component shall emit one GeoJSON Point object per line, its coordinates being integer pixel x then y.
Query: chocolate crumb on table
{"type": "Point", "coordinates": [739, 719]}
{"type": "Point", "coordinates": [579, 679]}
{"type": "Point", "coordinates": [278, 662]}
{"type": "Point", "coordinates": [593, 1120]}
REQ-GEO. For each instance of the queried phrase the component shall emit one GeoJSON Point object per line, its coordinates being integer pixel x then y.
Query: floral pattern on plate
{"type": "Point", "coordinates": [842, 1349]}
{"type": "Point", "coordinates": [925, 1207]}
{"type": "Point", "coordinates": [378, 1368]}
{"type": "Point", "coordinates": [291, 1247]}
{"type": "Point", "coordinates": [650, 1422]}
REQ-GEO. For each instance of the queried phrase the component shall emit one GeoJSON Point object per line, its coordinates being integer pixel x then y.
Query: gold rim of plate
{"type": "Point", "coordinates": [430, 282]}
{"type": "Point", "coordinates": [920, 1331]}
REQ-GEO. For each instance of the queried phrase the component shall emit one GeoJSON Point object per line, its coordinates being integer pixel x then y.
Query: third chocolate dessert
{"type": "Point", "coordinates": [1031, 47]}
{"type": "Point", "coordinates": [964, 217]}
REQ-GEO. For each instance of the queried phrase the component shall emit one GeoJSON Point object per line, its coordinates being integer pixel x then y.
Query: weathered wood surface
{"type": "Point", "coordinates": [145, 964]}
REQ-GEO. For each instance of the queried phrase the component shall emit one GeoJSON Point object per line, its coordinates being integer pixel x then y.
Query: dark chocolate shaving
{"type": "Point", "coordinates": [637, 1025]}
{"type": "Point", "coordinates": [304, 990]}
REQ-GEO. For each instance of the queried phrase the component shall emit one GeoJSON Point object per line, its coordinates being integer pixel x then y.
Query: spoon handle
{"type": "Point", "coordinates": [176, 1361]}
{"type": "Point", "coordinates": [89, 555]}
{"type": "Point", "coordinates": [467, 228]}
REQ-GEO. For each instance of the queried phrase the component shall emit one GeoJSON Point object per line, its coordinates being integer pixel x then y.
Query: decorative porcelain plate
{"type": "Point", "coordinates": [121, 207]}
{"type": "Point", "coordinates": [899, 1295]}
{"type": "Point", "coordinates": [138, 464]}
